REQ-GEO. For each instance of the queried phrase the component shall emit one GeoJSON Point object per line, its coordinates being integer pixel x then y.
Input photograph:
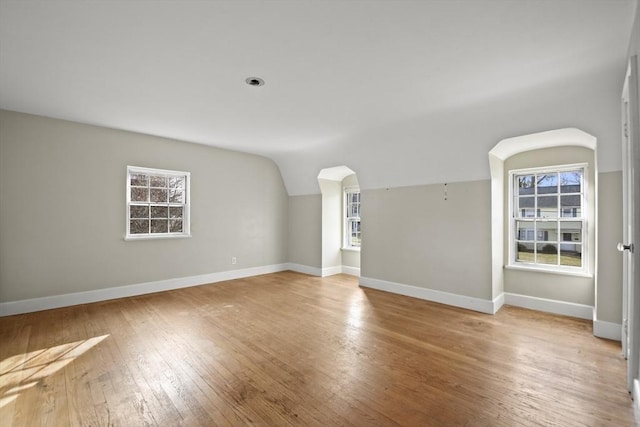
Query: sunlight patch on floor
{"type": "Point", "coordinates": [21, 372]}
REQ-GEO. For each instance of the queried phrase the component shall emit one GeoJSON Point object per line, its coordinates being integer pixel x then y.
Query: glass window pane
{"type": "Point", "coordinates": [525, 230]}
{"type": "Point", "coordinates": [140, 180]}
{"type": "Point", "coordinates": [139, 211]}
{"type": "Point", "coordinates": [571, 212]}
{"type": "Point", "coordinates": [353, 205]}
{"type": "Point", "coordinates": [526, 207]}
{"type": "Point", "coordinates": [158, 195]}
{"type": "Point", "coordinates": [524, 252]}
{"type": "Point", "coordinates": [159, 225]}
{"type": "Point", "coordinates": [139, 226]}
{"type": "Point", "coordinates": [139, 194]}
{"type": "Point", "coordinates": [548, 206]}
{"type": "Point", "coordinates": [159, 212]}
{"type": "Point", "coordinates": [354, 232]}
{"type": "Point", "coordinates": [571, 231]}
{"type": "Point", "coordinates": [176, 182]}
{"type": "Point", "coordinates": [547, 253]}
{"type": "Point", "coordinates": [176, 195]}
{"type": "Point", "coordinates": [547, 231]}
{"type": "Point", "coordinates": [571, 206]}
{"type": "Point", "coordinates": [571, 254]}
{"type": "Point", "coordinates": [571, 182]}
{"type": "Point", "coordinates": [547, 183]}
{"type": "Point", "coordinates": [175, 212]}
{"type": "Point", "coordinates": [525, 184]}
{"type": "Point", "coordinates": [158, 181]}
{"type": "Point", "coordinates": [175, 226]}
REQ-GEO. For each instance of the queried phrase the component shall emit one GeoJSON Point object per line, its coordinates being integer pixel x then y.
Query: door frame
{"type": "Point", "coordinates": [631, 226]}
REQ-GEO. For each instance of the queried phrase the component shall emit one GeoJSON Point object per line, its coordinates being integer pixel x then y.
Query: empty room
{"type": "Point", "coordinates": [331, 213]}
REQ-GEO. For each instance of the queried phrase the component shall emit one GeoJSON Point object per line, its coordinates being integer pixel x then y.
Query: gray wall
{"type": "Point", "coordinates": [634, 42]}
{"type": "Point", "coordinates": [560, 287]}
{"type": "Point", "coordinates": [413, 236]}
{"type": "Point", "coordinates": [305, 230]}
{"type": "Point", "coordinates": [445, 245]}
{"type": "Point", "coordinates": [609, 283]}
{"type": "Point", "coordinates": [62, 199]}
{"type": "Point", "coordinates": [62, 220]}
{"type": "Point", "coordinates": [351, 258]}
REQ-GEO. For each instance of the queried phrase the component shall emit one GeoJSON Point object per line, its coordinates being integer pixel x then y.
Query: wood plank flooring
{"type": "Point", "coordinates": [290, 349]}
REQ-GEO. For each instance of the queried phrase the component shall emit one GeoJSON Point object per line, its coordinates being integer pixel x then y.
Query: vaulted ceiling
{"type": "Point", "coordinates": [402, 92]}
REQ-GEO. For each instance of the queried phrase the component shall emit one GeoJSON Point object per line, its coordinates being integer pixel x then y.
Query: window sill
{"type": "Point", "coordinates": [157, 237]}
{"type": "Point", "coordinates": [351, 249]}
{"type": "Point", "coordinates": [538, 269]}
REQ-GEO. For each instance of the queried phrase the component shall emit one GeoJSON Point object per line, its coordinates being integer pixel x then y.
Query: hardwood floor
{"type": "Point", "coordinates": [290, 349]}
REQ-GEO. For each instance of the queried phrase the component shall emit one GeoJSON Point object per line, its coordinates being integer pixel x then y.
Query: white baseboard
{"type": "Point", "coordinates": [352, 271]}
{"type": "Point", "coordinates": [498, 302]}
{"type": "Point", "coordinates": [330, 271]}
{"type": "Point", "coordinates": [635, 394]}
{"type": "Point", "coordinates": [56, 301]}
{"type": "Point", "coordinates": [608, 330]}
{"type": "Point", "coordinates": [323, 272]}
{"type": "Point", "coordinates": [305, 269]}
{"type": "Point", "coordinates": [471, 303]}
{"type": "Point", "coordinates": [580, 311]}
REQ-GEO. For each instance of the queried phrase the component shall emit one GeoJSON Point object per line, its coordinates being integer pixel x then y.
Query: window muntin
{"type": "Point", "coordinates": [157, 203]}
{"type": "Point", "coordinates": [352, 219]}
{"type": "Point", "coordinates": [548, 224]}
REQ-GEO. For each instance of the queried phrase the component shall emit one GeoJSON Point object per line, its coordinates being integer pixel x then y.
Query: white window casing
{"type": "Point", "coordinates": [158, 203]}
{"type": "Point", "coordinates": [352, 232]}
{"type": "Point", "coordinates": [548, 225]}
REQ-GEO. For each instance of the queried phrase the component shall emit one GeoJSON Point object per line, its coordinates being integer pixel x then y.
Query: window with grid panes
{"type": "Point", "coordinates": [352, 219]}
{"type": "Point", "coordinates": [157, 203]}
{"type": "Point", "coordinates": [548, 224]}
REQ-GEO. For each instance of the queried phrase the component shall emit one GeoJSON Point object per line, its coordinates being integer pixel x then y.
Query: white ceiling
{"type": "Point", "coordinates": [346, 81]}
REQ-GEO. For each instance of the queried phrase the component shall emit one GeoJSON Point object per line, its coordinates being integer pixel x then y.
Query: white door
{"type": "Point", "coordinates": [631, 219]}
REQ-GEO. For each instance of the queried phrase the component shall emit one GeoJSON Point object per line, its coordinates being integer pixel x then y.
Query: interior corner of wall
{"type": "Point", "coordinates": [496, 165]}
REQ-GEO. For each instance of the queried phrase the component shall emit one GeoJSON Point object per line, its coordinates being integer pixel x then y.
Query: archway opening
{"type": "Point", "coordinates": [500, 159]}
{"type": "Point", "coordinates": [341, 238]}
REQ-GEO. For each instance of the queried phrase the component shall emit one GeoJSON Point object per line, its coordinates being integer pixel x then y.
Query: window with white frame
{"type": "Point", "coordinates": [157, 203]}
{"type": "Point", "coordinates": [352, 219]}
{"type": "Point", "coordinates": [549, 218]}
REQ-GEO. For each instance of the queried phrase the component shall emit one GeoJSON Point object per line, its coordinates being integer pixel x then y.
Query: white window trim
{"type": "Point", "coordinates": [186, 219]}
{"type": "Point", "coordinates": [560, 269]}
{"type": "Point", "coordinates": [346, 230]}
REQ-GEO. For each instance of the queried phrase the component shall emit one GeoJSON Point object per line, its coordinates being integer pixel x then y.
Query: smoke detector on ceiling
{"type": "Point", "coordinates": [254, 81]}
